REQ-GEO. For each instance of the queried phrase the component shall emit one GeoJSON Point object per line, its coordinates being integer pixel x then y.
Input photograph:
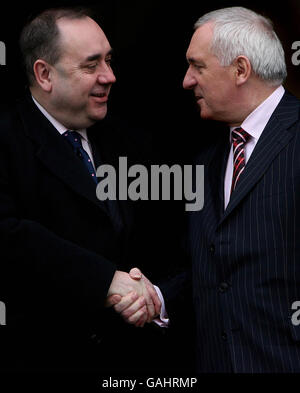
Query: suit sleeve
{"type": "Point", "coordinates": [37, 261]}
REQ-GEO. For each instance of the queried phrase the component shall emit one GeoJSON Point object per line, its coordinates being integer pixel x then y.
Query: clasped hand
{"type": "Point", "coordinates": [133, 297]}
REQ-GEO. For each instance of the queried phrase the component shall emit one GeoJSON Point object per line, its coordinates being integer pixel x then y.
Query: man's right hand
{"type": "Point", "coordinates": [134, 297]}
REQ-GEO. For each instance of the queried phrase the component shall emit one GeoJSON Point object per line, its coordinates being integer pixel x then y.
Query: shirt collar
{"type": "Point", "coordinates": [56, 124]}
{"type": "Point", "coordinates": [257, 120]}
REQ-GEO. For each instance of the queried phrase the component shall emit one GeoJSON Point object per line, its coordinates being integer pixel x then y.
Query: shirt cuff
{"type": "Point", "coordinates": [163, 319]}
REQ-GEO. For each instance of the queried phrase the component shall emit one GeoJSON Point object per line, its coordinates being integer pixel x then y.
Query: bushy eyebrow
{"type": "Point", "coordinates": [192, 60]}
{"type": "Point", "coordinates": [98, 56]}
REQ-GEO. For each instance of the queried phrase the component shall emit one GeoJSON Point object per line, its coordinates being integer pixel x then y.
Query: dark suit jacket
{"type": "Point", "coordinates": [59, 245]}
{"type": "Point", "coordinates": [246, 259]}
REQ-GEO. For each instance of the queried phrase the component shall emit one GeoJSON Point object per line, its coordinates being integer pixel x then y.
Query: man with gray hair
{"type": "Point", "coordinates": [244, 243]}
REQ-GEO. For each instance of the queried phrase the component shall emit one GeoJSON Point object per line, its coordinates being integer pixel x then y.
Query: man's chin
{"type": "Point", "coordinates": [98, 114]}
{"type": "Point", "coordinates": [205, 115]}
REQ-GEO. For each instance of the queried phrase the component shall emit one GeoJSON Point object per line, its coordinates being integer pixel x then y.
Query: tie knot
{"type": "Point", "coordinates": [74, 138]}
{"type": "Point", "coordinates": [240, 136]}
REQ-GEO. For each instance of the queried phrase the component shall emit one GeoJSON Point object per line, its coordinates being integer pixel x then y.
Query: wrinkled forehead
{"type": "Point", "coordinates": [79, 38]}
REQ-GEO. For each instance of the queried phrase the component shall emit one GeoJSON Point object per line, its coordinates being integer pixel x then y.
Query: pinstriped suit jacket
{"type": "Point", "coordinates": [246, 259]}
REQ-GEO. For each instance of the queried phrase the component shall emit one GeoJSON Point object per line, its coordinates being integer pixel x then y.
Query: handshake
{"type": "Point", "coordinates": [133, 297]}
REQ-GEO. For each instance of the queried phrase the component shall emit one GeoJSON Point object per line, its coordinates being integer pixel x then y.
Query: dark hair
{"type": "Point", "coordinates": [40, 37]}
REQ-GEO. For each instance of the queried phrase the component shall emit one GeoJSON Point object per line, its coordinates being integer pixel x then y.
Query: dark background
{"type": "Point", "coordinates": [150, 38]}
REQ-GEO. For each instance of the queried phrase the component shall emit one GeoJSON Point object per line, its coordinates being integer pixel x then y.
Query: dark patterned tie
{"type": "Point", "coordinates": [239, 139]}
{"type": "Point", "coordinates": [74, 138]}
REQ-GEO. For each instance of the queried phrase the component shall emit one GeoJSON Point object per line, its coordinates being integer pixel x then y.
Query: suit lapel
{"type": "Point", "coordinates": [107, 150]}
{"type": "Point", "coordinates": [55, 153]}
{"type": "Point", "coordinates": [273, 139]}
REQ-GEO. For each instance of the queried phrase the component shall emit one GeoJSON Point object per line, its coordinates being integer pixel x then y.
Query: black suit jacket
{"type": "Point", "coordinates": [246, 259]}
{"type": "Point", "coordinates": [60, 246]}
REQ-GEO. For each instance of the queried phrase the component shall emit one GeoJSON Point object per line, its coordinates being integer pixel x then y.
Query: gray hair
{"type": "Point", "coordinates": [240, 31]}
{"type": "Point", "coordinates": [40, 38]}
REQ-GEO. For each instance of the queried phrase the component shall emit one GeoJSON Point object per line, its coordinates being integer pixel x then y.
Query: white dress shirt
{"type": "Point", "coordinates": [254, 124]}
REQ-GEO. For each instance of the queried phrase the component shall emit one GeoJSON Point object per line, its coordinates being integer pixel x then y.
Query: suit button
{"type": "Point", "coordinates": [224, 286]}
{"type": "Point", "coordinates": [224, 336]}
{"type": "Point", "coordinates": [212, 249]}
{"type": "Point", "coordinates": [95, 339]}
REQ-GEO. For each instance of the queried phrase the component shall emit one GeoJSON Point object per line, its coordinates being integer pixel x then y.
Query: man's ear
{"type": "Point", "coordinates": [41, 71]}
{"type": "Point", "coordinates": [243, 69]}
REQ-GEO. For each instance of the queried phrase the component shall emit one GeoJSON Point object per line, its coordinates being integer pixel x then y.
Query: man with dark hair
{"type": "Point", "coordinates": [63, 250]}
{"type": "Point", "coordinates": [40, 38]}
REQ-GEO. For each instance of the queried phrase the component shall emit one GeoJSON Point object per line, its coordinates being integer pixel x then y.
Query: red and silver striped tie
{"type": "Point", "coordinates": [239, 139]}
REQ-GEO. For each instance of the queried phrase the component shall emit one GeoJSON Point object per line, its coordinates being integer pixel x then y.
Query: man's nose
{"type": "Point", "coordinates": [188, 81]}
{"type": "Point", "coordinates": [106, 75]}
